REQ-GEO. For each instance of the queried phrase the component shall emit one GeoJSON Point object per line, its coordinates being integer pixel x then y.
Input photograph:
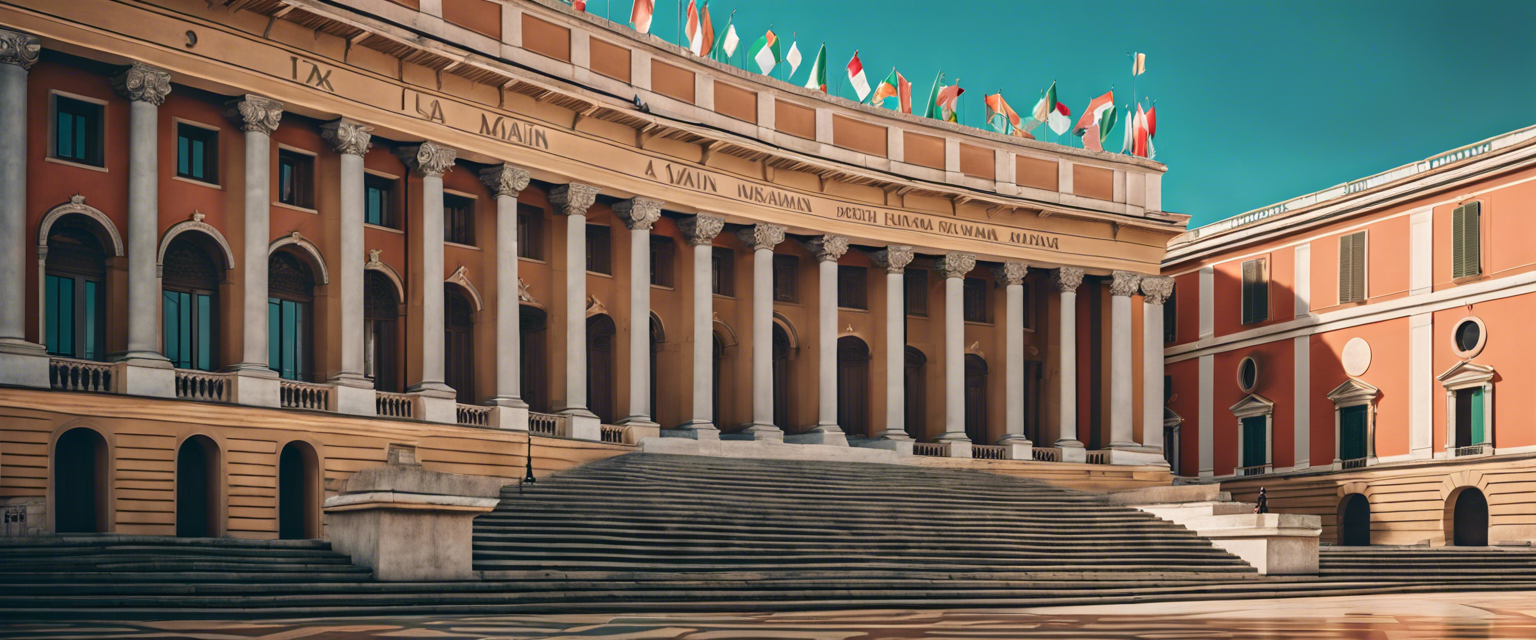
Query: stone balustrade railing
{"type": "Point", "coordinates": [1098, 457]}
{"type": "Point", "coordinates": [544, 424]}
{"type": "Point", "coordinates": [203, 386]}
{"type": "Point", "coordinates": [1255, 470]}
{"type": "Point", "coordinates": [394, 405]}
{"type": "Point", "coordinates": [69, 374]}
{"type": "Point", "coordinates": [304, 395]}
{"type": "Point", "coordinates": [474, 415]}
{"type": "Point", "coordinates": [1047, 454]}
{"type": "Point", "coordinates": [989, 452]}
{"type": "Point", "coordinates": [615, 434]}
{"type": "Point", "coordinates": [931, 449]}
{"type": "Point", "coordinates": [1356, 463]}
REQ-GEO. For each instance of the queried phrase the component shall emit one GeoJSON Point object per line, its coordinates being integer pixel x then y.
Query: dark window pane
{"type": "Point", "coordinates": [459, 219]}
{"type": "Point", "coordinates": [975, 300]}
{"type": "Point", "coordinates": [295, 184]}
{"type": "Point", "coordinates": [530, 232]}
{"type": "Point", "coordinates": [785, 268]}
{"type": "Point", "coordinates": [77, 130]}
{"type": "Point", "coordinates": [599, 249]}
{"type": "Point", "coordinates": [852, 289]}
{"type": "Point", "coordinates": [916, 296]}
{"type": "Point", "coordinates": [663, 254]}
{"type": "Point", "coordinates": [722, 272]}
{"type": "Point", "coordinates": [378, 196]}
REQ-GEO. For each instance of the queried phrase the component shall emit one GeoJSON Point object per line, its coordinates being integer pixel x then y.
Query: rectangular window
{"type": "Point", "coordinates": [975, 300]}
{"type": "Point", "coordinates": [379, 199]}
{"type": "Point", "coordinates": [1466, 240]}
{"type": "Point", "coordinates": [1352, 432]}
{"type": "Point", "coordinates": [77, 131]}
{"type": "Point", "coordinates": [599, 249]}
{"type": "Point", "coordinates": [1029, 306]}
{"type": "Point", "coordinates": [530, 232]}
{"type": "Point", "coordinates": [663, 258]}
{"type": "Point", "coordinates": [458, 219]}
{"type": "Point", "coordinates": [188, 330]}
{"type": "Point", "coordinates": [1255, 446]}
{"type": "Point", "coordinates": [852, 287]}
{"type": "Point", "coordinates": [285, 344]}
{"type": "Point", "coordinates": [1352, 267]}
{"type": "Point", "coordinates": [1469, 417]}
{"type": "Point", "coordinates": [1171, 319]}
{"type": "Point", "coordinates": [916, 296]}
{"type": "Point", "coordinates": [784, 269]}
{"type": "Point", "coordinates": [197, 153]}
{"type": "Point", "coordinates": [296, 179]}
{"type": "Point", "coordinates": [1255, 291]}
{"type": "Point", "coordinates": [61, 316]}
{"type": "Point", "coordinates": [722, 272]}
{"type": "Point", "coordinates": [72, 308]}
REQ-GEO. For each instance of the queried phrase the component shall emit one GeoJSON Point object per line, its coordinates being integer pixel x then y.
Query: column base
{"type": "Point", "coordinates": [960, 449]}
{"type": "Point", "coordinates": [23, 364]}
{"type": "Point", "coordinates": [583, 425]}
{"type": "Point", "coordinates": [700, 430]}
{"type": "Point", "coordinates": [152, 377]}
{"type": "Point", "coordinates": [437, 401]}
{"type": "Point", "coordinates": [1018, 447]}
{"type": "Point", "coordinates": [640, 428]}
{"type": "Point", "coordinates": [255, 386]}
{"type": "Point", "coordinates": [1136, 455]}
{"type": "Point", "coordinates": [764, 432]}
{"type": "Point", "coordinates": [823, 435]}
{"type": "Point", "coordinates": [953, 436]}
{"type": "Point", "coordinates": [1072, 450]}
{"type": "Point", "coordinates": [509, 416]}
{"type": "Point", "coordinates": [901, 447]}
{"type": "Point", "coordinates": [353, 394]}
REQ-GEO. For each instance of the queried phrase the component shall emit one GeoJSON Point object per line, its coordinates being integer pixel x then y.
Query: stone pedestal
{"type": "Point", "coordinates": [407, 523]}
{"type": "Point", "coordinates": [1072, 451]}
{"type": "Point", "coordinates": [510, 417]}
{"type": "Point", "coordinates": [438, 406]}
{"type": "Point", "coordinates": [144, 377]}
{"type": "Point", "coordinates": [902, 446]}
{"type": "Point", "coordinates": [1136, 455]}
{"type": "Point", "coordinates": [831, 436]}
{"type": "Point", "coordinates": [353, 397]}
{"type": "Point", "coordinates": [584, 425]}
{"type": "Point", "coordinates": [960, 449]}
{"type": "Point", "coordinates": [23, 364]}
{"type": "Point", "coordinates": [1277, 544]}
{"type": "Point", "coordinates": [256, 388]}
{"type": "Point", "coordinates": [1019, 447]}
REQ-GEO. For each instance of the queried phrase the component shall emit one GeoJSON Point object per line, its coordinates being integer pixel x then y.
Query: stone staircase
{"type": "Point", "coordinates": [1453, 567]}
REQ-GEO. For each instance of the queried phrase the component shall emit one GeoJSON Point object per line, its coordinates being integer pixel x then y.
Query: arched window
{"type": "Point", "coordinates": [290, 316]}
{"type": "Point", "coordinates": [298, 492]}
{"type": "Point", "coordinates": [781, 349]}
{"type": "Point", "coordinates": [600, 367]}
{"type": "Point", "coordinates": [190, 304]}
{"type": "Point", "coordinates": [75, 291]}
{"type": "Point", "coordinates": [915, 406]}
{"type": "Point", "coordinates": [459, 342]}
{"type": "Point", "coordinates": [80, 482]}
{"type": "Point", "coordinates": [197, 488]}
{"type": "Point", "coordinates": [381, 332]}
{"type": "Point", "coordinates": [853, 386]}
{"type": "Point", "coordinates": [535, 378]}
{"type": "Point", "coordinates": [976, 399]}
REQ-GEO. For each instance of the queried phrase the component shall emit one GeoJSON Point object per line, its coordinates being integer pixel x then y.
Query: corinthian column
{"type": "Point", "coordinates": [762, 238]}
{"type": "Point", "coordinates": [1122, 403]}
{"type": "Point", "coordinates": [144, 370]}
{"type": "Point", "coordinates": [1011, 274]}
{"type": "Point", "coordinates": [507, 182]}
{"type": "Point", "coordinates": [700, 232]}
{"type": "Point", "coordinates": [351, 140]}
{"type": "Point", "coordinates": [430, 161]}
{"type": "Point", "coordinates": [1154, 294]}
{"type": "Point", "coordinates": [1067, 280]}
{"type": "Point", "coordinates": [21, 362]}
{"type": "Point", "coordinates": [255, 382]}
{"type": "Point", "coordinates": [895, 260]}
{"type": "Point", "coordinates": [640, 215]}
{"type": "Point", "coordinates": [572, 201]}
{"type": "Point", "coordinates": [828, 249]}
{"type": "Point", "coordinates": [953, 268]}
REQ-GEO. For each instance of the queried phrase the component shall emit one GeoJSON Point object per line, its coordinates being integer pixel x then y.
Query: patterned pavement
{"type": "Point", "coordinates": [1392, 617]}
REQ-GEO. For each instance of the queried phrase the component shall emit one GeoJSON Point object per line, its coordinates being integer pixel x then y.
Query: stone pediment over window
{"type": "Point", "coordinates": [1466, 374]}
{"type": "Point", "coordinates": [1253, 405]}
{"type": "Point", "coordinates": [1354, 392]}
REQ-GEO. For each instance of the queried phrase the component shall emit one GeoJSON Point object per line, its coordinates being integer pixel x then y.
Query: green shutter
{"type": "Point", "coordinates": [1466, 240]}
{"type": "Point", "coordinates": [1476, 416]}
{"type": "Point", "coordinates": [1255, 446]}
{"type": "Point", "coordinates": [1352, 432]}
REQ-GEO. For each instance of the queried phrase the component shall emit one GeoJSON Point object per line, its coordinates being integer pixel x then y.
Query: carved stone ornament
{"type": "Point", "coordinates": [1011, 273]}
{"type": "Point", "coordinates": [143, 83]}
{"type": "Point", "coordinates": [894, 258]}
{"type": "Point", "coordinates": [762, 236]}
{"type": "Point", "coordinates": [701, 229]}
{"type": "Point", "coordinates": [639, 214]}
{"type": "Point", "coordinates": [348, 136]}
{"type": "Point", "coordinates": [429, 158]}
{"type": "Point", "coordinates": [255, 113]}
{"type": "Point", "coordinates": [505, 180]}
{"type": "Point", "coordinates": [827, 248]}
{"type": "Point", "coordinates": [1156, 289]}
{"type": "Point", "coordinates": [1124, 283]}
{"type": "Point", "coordinates": [955, 265]}
{"type": "Point", "coordinates": [373, 258]}
{"type": "Point", "coordinates": [1067, 279]}
{"type": "Point", "coordinates": [523, 294]}
{"type": "Point", "coordinates": [20, 49]}
{"type": "Point", "coordinates": [573, 199]}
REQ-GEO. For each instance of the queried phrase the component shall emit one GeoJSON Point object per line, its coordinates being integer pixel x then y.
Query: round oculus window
{"type": "Point", "coordinates": [1248, 374]}
{"type": "Point", "coordinates": [1468, 337]}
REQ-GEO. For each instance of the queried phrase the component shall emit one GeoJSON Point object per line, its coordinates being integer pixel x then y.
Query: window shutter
{"type": "Point", "coordinates": [1466, 240]}
{"type": "Point", "coordinates": [1352, 267]}
{"type": "Point", "coordinates": [1255, 292]}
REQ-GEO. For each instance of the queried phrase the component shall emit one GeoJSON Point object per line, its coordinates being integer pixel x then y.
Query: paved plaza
{"type": "Point", "coordinates": [1390, 617]}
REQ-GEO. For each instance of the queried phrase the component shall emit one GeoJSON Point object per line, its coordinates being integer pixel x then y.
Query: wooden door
{"type": "Point", "coordinates": [459, 344]}
{"type": "Point", "coordinates": [853, 386]}
{"type": "Point", "coordinates": [976, 399]}
{"type": "Point", "coordinates": [915, 391]}
{"type": "Point", "coordinates": [535, 367]}
{"type": "Point", "coordinates": [1352, 432]}
{"type": "Point", "coordinates": [600, 365]}
{"type": "Point", "coordinates": [1255, 445]}
{"type": "Point", "coordinates": [781, 350]}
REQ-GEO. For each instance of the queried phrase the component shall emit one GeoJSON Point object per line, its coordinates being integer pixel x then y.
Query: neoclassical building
{"type": "Point", "coordinates": [253, 242]}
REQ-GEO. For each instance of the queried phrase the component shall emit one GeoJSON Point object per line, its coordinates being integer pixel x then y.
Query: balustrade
{"type": "Point", "coordinates": [304, 395]}
{"type": "Point", "coordinates": [69, 374]}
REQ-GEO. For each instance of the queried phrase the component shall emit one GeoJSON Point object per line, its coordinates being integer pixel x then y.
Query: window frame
{"type": "Point", "coordinates": [391, 217]}
{"type": "Point", "coordinates": [1349, 395]}
{"type": "Point", "coordinates": [304, 332]}
{"type": "Point", "coordinates": [852, 287]}
{"type": "Point", "coordinates": [910, 280]}
{"type": "Point", "coordinates": [599, 234]}
{"type": "Point", "coordinates": [531, 234]}
{"type": "Point", "coordinates": [99, 144]}
{"type": "Point", "coordinates": [1254, 405]}
{"type": "Point", "coordinates": [722, 272]}
{"type": "Point", "coordinates": [304, 181]}
{"type": "Point", "coordinates": [471, 212]}
{"type": "Point", "coordinates": [1171, 317]}
{"type": "Point", "coordinates": [971, 285]}
{"type": "Point", "coordinates": [210, 153]}
{"type": "Point", "coordinates": [1263, 278]}
{"type": "Point", "coordinates": [1359, 260]}
{"type": "Point", "coordinates": [786, 290]}
{"type": "Point", "coordinates": [663, 261]}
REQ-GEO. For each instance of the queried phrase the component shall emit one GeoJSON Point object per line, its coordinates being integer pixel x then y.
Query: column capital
{"type": "Point", "coordinates": [1067, 279]}
{"type": "Point", "coordinates": [428, 159]}
{"type": "Point", "coordinates": [701, 229]}
{"type": "Point", "coordinates": [828, 248]}
{"type": "Point", "coordinates": [762, 236]}
{"type": "Point", "coordinates": [955, 264]}
{"type": "Point", "coordinates": [143, 83]}
{"type": "Point", "coordinates": [1124, 283]}
{"type": "Point", "coordinates": [1011, 273]}
{"type": "Point", "coordinates": [255, 113]}
{"type": "Point", "coordinates": [639, 214]}
{"type": "Point", "coordinates": [505, 180]}
{"type": "Point", "coordinates": [348, 137]}
{"type": "Point", "coordinates": [20, 49]}
{"type": "Point", "coordinates": [573, 199]}
{"type": "Point", "coordinates": [894, 258]}
{"type": "Point", "coordinates": [1156, 289]}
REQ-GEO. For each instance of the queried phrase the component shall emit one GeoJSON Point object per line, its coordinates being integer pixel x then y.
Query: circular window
{"type": "Point", "coordinates": [1248, 374]}
{"type": "Point", "coordinates": [1468, 337]}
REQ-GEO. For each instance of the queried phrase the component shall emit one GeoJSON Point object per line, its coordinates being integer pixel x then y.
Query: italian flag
{"type": "Point", "coordinates": [1046, 105]}
{"type": "Point", "coordinates": [946, 102]}
{"type": "Point", "coordinates": [765, 53]}
{"type": "Point", "coordinates": [1100, 118]}
{"type": "Point", "coordinates": [1060, 120]}
{"type": "Point", "coordinates": [640, 15]}
{"type": "Point", "coordinates": [895, 86]}
{"type": "Point", "coordinates": [856, 77]}
{"type": "Point", "coordinates": [818, 76]}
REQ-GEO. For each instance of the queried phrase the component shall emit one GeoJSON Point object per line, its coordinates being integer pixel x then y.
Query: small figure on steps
{"type": "Point", "coordinates": [1262, 506]}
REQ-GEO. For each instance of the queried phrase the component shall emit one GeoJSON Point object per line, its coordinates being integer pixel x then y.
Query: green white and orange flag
{"type": "Point", "coordinates": [1000, 117]}
{"type": "Point", "coordinates": [818, 76]}
{"type": "Point", "coordinates": [725, 46]}
{"type": "Point", "coordinates": [1097, 121]}
{"type": "Point", "coordinates": [1044, 108]}
{"type": "Point", "coordinates": [765, 53]}
{"type": "Point", "coordinates": [894, 86]}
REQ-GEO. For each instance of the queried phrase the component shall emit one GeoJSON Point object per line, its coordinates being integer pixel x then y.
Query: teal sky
{"type": "Point", "coordinates": [1258, 101]}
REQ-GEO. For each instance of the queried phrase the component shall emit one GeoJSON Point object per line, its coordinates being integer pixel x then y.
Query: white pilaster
{"type": "Point", "coordinates": [895, 260]}
{"type": "Point", "coordinates": [255, 382]}
{"type": "Point", "coordinates": [1421, 386]}
{"type": "Point", "coordinates": [1011, 274]}
{"type": "Point", "coordinates": [507, 183]}
{"type": "Point", "coordinates": [1067, 280]}
{"type": "Point", "coordinates": [640, 215]}
{"type": "Point", "coordinates": [430, 161]}
{"type": "Point", "coordinates": [1421, 252]}
{"type": "Point", "coordinates": [1207, 459]}
{"type": "Point", "coordinates": [1207, 302]}
{"type": "Point", "coordinates": [952, 268]}
{"type": "Point", "coordinates": [700, 232]}
{"type": "Point", "coordinates": [1154, 294]}
{"type": "Point", "coordinates": [762, 238]}
{"type": "Point", "coordinates": [142, 369]}
{"type": "Point", "coordinates": [1303, 280]}
{"type": "Point", "coordinates": [1302, 405]}
{"type": "Point", "coordinates": [1123, 285]}
{"type": "Point", "coordinates": [572, 201]}
{"type": "Point", "coordinates": [22, 363]}
{"type": "Point", "coordinates": [351, 140]}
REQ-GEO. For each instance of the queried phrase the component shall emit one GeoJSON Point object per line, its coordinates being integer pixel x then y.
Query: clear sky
{"type": "Point", "coordinates": [1258, 101]}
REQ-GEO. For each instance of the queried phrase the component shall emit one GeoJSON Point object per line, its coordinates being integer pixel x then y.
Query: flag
{"type": "Point", "coordinates": [932, 109]}
{"type": "Point", "coordinates": [695, 31]}
{"type": "Point", "coordinates": [1129, 145]}
{"type": "Point", "coordinates": [725, 46]}
{"type": "Point", "coordinates": [1100, 116]}
{"type": "Point", "coordinates": [765, 53]}
{"type": "Point", "coordinates": [1000, 116]}
{"type": "Point", "coordinates": [709, 30]}
{"type": "Point", "coordinates": [793, 57]}
{"type": "Point", "coordinates": [1152, 121]}
{"type": "Point", "coordinates": [640, 15]}
{"type": "Point", "coordinates": [579, 5]}
{"type": "Point", "coordinates": [949, 102]}
{"type": "Point", "coordinates": [1046, 105]}
{"type": "Point", "coordinates": [894, 86]}
{"type": "Point", "coordinates": [1139, 64]}
{"type": "Point", "coordinates": [818, 77]}
{"type": "Point", "coordinates": [856, 77]}
{"type": "Point", "coordinates": [1060, 119]}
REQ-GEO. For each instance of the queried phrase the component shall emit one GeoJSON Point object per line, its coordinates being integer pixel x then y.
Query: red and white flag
{"type": "Point", "coordinates": [693, 31]}
{"type": "Point", "coordinates": [640, 15]}
{"type": "Point", "coordinates": [856, 78]}
{"type": "Point", "coordinates": [579, 5]}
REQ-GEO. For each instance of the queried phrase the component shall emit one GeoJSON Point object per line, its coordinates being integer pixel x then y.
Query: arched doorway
{"type": "Point", "coordinates": [197, 488]}
{"type": "Point", "coordinates": [75, 301]}
{"type": "Point", "coordinates": [915, 391]}
{"type": "Point", "coordinates": [781, 350]}
{"type": "Point", "coordinates": [298, 492]}
{"type": "Point", "coordinates": [535, 351]}
{"type": "Point", "coordinates": [1355, 521]}
{"type": "Point", "coordinates": [976, 399]}
{"type": "Point", "coordinates": [853, 386]}
{"type": "Point", "coordinates": [459, 343]}
{"type": "Point", "coordinates": [381, 331]}
{"type": "Point", "coordinates": [290, 316]}
{"type": "Point", "coordinates": [80, 482]}
{"type": "Point", "coordinates": [1469, 519]}
{"type": "Point", "coordinates": [600, 367]}
{"type": "Point", "coordinates": [190, 303]}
